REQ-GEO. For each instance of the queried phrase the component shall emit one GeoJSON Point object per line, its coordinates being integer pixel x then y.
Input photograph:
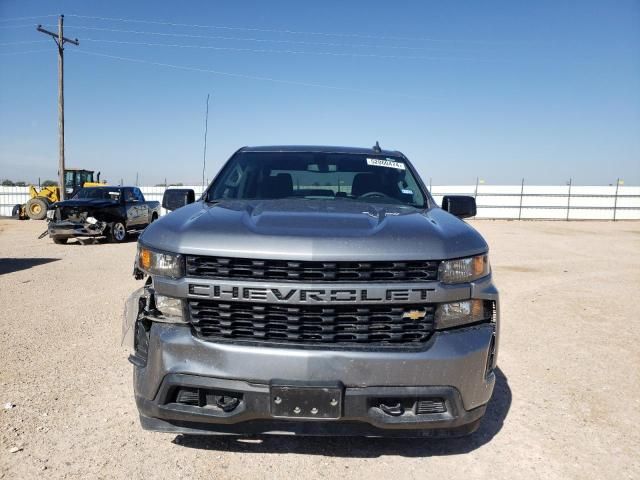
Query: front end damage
{"type": "Point", "coordinates": [141, 309]}
{"type": "Point", "coordinates": [184, 384]}
{"type": "Point", "coordinates": [65, 223]}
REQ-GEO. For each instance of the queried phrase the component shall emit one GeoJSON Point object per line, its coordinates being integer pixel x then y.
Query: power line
{"type": "Point", "coordinates": [25, 51]}
{"type": "Point", "coordinates": [269, 30]}
{"type": "Point", "coordinates": [262, 40]}
{"type": "Point", "coordinates": [293, 52]}
{"type": "Point", "coordinates": [26, 18]}
{"type": "Point", "coordinates": [251, 77]}
{"type": "Point", "coordinates": [23, 42]}
{"type": "Point", "coordinates": [17, 26]}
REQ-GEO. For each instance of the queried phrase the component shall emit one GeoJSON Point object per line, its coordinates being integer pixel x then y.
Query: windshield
{"type": "Point", "coordinates": [310, 175]}
{"type": "Point", "coordinates": [99, 193]}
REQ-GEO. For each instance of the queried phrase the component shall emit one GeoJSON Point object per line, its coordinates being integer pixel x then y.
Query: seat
{"type": "Point", "coordinates": [365, 183]}
{"type": "Point", "coordinates": [279, 186]}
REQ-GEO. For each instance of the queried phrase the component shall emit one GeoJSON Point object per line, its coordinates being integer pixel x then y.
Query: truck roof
{"type": "Point", "coordinates": [318, 149]}
{"type": "Point", "coordinates": [111, 187]}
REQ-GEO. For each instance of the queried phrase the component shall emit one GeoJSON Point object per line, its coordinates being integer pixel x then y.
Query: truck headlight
{"type": "Point", "coordinates": [50, 214]}
{"type": "Point", "coordinates": [455, 314]}
{"type": "Point", "coordinates": [464, 269]}
{"type": "Point", "coordinates": [160, 263]}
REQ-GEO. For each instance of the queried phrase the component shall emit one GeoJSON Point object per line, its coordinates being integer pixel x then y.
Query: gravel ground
{"type": "Point", "coordinates": [567, 403]}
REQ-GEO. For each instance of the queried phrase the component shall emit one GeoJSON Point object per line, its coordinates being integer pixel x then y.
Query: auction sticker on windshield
{"type": "Point", "coordinates": [379, 162]}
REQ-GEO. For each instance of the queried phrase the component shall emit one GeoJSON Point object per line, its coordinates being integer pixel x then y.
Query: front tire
{"type": "Point", "coordinates": [117, 232]}
{"type": "Point", "coordinates": [60, 241]}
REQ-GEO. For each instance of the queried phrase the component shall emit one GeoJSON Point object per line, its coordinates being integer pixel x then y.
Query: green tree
{"type": "Point", "coordinates": [49, 183]}
{"type": "Point", "coordinates": [8, 183]}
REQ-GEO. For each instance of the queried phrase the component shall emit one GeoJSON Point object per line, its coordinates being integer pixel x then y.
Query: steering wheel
{"type": "Point", "coordinates": [373, 194]}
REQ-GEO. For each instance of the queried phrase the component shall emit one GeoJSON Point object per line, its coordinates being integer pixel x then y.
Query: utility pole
{"type": "Point", "coordinates": [60, 40]}
{"type": "Point", "coordinates": [569, 199]}
{"type": "Point", "coordinates": [204, 155]}
{"type": "Point", "coordinates": [521, 195]}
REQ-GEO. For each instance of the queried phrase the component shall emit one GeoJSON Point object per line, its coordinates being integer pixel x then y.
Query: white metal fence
{"type": "Point", "coordinates": [566, 202]}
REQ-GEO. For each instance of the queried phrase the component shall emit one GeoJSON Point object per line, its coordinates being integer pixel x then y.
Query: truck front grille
{"type": "Point", "coordinates": [310, 271]}
{"type": "Point", "coordinates": [356, 326]}
{"type": "Point", "coordinates": [74, 214]}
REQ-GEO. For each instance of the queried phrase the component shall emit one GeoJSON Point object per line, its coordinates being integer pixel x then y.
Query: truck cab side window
{"type": "Point", "coordinates": [128, 195]}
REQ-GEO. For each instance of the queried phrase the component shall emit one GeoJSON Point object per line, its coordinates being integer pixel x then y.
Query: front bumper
{"type": "Point", "coordinates": [453, 368]}
{"type": "Point", "coordinates": [360, 411]}
{"type": "Point", "coordinates": [66, 229]}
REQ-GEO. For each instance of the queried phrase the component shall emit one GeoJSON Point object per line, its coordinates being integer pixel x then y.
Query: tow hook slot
{"type": "Point", "coordinates": [393, 410]}
{"type": "Point", "coordinates": [227, 404]}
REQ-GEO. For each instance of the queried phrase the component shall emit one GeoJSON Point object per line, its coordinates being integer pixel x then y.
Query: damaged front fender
{"type": "Point", "coordinates": [144, 306]}
{"type": "Point", "coordinates": [134, 309]}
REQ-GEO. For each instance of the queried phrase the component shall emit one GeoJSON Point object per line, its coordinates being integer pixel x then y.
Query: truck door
{"type": "Point", "coordinates": [143, 208]}
{"type": "Point", "coordinates": [131, 207]}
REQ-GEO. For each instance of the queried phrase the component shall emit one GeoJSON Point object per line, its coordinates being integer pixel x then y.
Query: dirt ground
{"type": "Point", "coordinates": [567, 402]}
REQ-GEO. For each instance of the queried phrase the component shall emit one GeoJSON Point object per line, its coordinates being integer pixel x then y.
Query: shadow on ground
{"type": "Point", "coordinates": [359, 447]}
{"type": "Point", "coordinates": [10, 265]}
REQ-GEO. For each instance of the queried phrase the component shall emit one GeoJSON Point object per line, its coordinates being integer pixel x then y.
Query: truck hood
{"type": "Point", "coordinates": [313, 230]}
{"type": "Point", "coordinates": [87, 202]}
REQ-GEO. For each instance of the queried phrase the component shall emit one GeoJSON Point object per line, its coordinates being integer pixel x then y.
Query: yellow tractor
{"type": "Point", "coordinates": [39, 201]}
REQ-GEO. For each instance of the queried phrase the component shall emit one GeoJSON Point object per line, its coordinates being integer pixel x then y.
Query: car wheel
{"type": "Point", "coordinates": [60, 241]}
{"type": "Point", "coordinates": [117, 232]}
{"type": "Point", "coordinates": [37, 208]}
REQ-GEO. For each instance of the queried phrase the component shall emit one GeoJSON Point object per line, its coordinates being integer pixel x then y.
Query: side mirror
{"type": "Point", "coordinates": [459, 205]}
{"type": "Point", "coordinates": [175, 198]}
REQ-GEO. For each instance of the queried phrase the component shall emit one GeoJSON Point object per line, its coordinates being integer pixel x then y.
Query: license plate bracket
{"type": "Point", "coordinates": [306, 402]}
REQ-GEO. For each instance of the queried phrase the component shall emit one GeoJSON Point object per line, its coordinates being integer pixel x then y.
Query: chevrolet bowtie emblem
{"type": "Point", "coordinates": [415, 314]}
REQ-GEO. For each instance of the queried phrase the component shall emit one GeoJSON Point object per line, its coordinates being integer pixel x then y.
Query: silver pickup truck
{"type": "Point", "coordinates": [315, 291]}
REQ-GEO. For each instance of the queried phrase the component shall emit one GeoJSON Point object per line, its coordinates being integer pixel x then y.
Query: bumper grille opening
{"type": "Point", "coordinates": [340, 325]}
{"type": "Point", "coordinates": [310, 271]}
{"type": "Point", "coordinates": [430, 405]}
{"type": "Point", "coordinates": [200, 397]}
{"type": "Point", "coordinates": [188, 396]}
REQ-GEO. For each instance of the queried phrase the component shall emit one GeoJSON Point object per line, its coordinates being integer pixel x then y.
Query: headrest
{"type": "Point", "coordinates": [279, 186]}
{"type": "Point", "coordinates": [365, 183]}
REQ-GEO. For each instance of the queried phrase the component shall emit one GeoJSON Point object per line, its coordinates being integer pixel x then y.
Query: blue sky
{"type": "Point", "coordinates": [501, 90]}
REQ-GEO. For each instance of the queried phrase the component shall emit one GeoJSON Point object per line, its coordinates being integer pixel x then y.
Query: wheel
{"type": "Point", "coordinates": [60, 241]}
{"type": "Point", "coordinates": [18, 212]}
{"type": "Point", "coordinates": [37, 208]}
{"type": "Point", "coordinates": [117, 232]}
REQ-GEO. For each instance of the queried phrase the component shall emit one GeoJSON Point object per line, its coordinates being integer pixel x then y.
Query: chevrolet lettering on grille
{"type": "Point", "coordinates": [311, 295]}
